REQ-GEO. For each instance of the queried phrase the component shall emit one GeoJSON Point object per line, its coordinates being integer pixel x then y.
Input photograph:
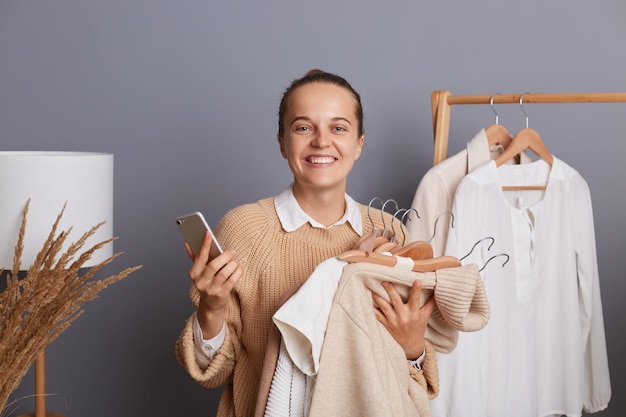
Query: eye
{"type": "Point", "coordinates": [302, 128]}
{"type": "Point", "coordinates": [339, 129]}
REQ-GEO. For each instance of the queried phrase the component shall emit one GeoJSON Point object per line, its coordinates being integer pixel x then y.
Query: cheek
{"type": "Point", "coordinates": [286, 147]}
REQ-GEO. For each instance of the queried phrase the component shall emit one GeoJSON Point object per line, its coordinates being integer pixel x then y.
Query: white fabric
{"type": "Point", "coordinates": [206, 348]}
{"type": "Point", "coordinates": [286, 397]}
{"type": "Point", "coordinates": [292, 216]}
{"type": "Point", "coordinates": [435, 191]}
{"type": "Point", "coordinates": [302, 319]}
{"type": "Point", "coordinates": [402, 262]}
{"type": "Point", "coordinates": [543, 351]}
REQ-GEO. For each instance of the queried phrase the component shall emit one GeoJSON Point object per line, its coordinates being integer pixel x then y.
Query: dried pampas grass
{"type": "Point", "coordinates": [35, 310]}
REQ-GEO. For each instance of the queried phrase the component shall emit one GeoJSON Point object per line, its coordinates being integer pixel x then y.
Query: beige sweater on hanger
{"type": "Point", "coordinates": [362, 370]}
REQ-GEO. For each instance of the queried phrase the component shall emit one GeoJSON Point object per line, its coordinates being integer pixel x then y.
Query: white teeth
{"type": "Point", "coordinates": [321, 159]}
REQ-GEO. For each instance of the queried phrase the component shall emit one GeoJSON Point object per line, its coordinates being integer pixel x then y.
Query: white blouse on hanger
{"type": "Point", "coordinates": [435, 192]}
{"type": "Point", "coordinates": [543, 351]}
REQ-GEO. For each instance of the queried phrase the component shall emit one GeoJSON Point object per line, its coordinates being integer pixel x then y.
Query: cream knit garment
{"type": "Point", "coordinates": [363, 371]}
{"type": "Point", "coordinates": [462, 305]}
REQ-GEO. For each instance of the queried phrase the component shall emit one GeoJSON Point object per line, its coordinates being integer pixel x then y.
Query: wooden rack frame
{"type": "Point", "coordinates": [442, 101]}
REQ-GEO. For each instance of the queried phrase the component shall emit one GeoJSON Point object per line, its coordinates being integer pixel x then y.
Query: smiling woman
{"type": "Point", "coordinates": [321, 141]}
{"type": "Point", "coordinates": [274, 245]}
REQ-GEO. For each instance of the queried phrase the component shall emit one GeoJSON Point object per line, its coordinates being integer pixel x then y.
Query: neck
{"type": "Point", "coordinates": [325, 206]}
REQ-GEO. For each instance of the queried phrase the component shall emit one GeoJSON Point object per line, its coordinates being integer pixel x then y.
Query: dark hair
{"type": "Point", "coordinates": [318, 76]}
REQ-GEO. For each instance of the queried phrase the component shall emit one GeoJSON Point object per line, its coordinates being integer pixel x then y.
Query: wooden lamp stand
{"type": "Point", "coordinates": [40, 389]}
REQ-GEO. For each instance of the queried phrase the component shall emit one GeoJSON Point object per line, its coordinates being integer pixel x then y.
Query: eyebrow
{"type": "Point", "coordinates": [334, 119]}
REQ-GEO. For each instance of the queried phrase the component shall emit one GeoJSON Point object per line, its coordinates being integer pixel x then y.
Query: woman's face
{"type": "Point", "coordinates": [321, 139]}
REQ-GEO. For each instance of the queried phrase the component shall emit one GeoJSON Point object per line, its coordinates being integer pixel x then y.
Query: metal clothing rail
{"type": "Point", "coordinates": [443, 100]}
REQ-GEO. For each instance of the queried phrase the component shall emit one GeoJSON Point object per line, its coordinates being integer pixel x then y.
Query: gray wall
{"type": "Point", "coordinates": [185, 95]}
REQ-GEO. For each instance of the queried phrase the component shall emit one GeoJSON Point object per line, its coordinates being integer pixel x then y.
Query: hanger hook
{"type": "Point", "coordinates": [369, 206]}
{"type": "Point", "coordinates": [495, 256]}
{"type": "Point", "coordinates": [437, 220]}
{"type": "Point", "coordinates": [521, 103]}
{"type": "Point", "coordinates": [393, 229]}
{"type": "Point", "coordinates": [382, 212]}
{"type": "Point", "coordinates": [476, 244]}
{"type": "Point", "coordinates": [407, 211]}
{"type": "Point", "coordinates": [493, 108]}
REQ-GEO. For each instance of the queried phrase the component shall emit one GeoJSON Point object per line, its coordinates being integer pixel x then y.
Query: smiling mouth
{"type": "Point", "coordinates": [321, 159]}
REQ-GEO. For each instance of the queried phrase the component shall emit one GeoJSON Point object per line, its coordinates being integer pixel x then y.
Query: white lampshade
{"type": "Point", "coordinates": [50, 179]}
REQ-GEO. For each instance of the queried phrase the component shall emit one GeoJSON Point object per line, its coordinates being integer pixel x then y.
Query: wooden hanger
{"type": "Point", "coordinates": [498, 135]}
{"type": "Point", "coordinates": [420, 249]}
{"type": "Point", "coordinates": [420, 265]}
{"type": "Point", "coordinates": [386, 247]}
{"type": "Point", "coordinates": [526, 138]}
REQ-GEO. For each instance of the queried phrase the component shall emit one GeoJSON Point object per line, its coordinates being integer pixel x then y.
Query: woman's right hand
{"type": "Point", "coordinates": [214, 281]}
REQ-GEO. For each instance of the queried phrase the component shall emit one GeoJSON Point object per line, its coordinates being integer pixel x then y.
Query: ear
{"type": "Point", "coordinates": [359, 149]}
{"type": "Point", "coordinates": [281, 143]}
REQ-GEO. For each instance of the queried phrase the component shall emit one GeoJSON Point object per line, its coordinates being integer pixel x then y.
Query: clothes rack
{"type": "Point", "coordinates": [443, 100]}
{"type": "Point", "coordinates": [542, 241]}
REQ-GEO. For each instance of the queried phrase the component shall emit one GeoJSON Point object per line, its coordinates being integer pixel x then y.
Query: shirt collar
{"type": "Point", "coordinates": [478, 151]}
{"type": "Point", "coordinates": [292, 216]}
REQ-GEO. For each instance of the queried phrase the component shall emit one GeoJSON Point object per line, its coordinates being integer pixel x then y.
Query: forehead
{"type": "Point", "coordinates": [320, 98]}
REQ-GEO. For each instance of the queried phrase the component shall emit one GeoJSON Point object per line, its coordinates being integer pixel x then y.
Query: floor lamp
{"type": "Point", "coordinates": [83, 181]}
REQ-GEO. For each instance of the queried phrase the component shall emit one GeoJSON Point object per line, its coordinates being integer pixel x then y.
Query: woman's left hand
{"type": "Point", "coordinates": [405, 322]}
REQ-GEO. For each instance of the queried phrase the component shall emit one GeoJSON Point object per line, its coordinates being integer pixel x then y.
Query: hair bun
{"type": "Point", "coordinates": [314, 71]}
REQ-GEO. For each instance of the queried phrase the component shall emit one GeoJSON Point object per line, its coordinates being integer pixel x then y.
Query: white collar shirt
{"type": "Point", "coordinates": [292, 216]}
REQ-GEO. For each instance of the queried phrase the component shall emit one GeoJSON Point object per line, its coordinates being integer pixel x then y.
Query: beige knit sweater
{"type": "Point", "coordinates": [273, 261]}
{"type": "Point", "coordinates": [363, 370]}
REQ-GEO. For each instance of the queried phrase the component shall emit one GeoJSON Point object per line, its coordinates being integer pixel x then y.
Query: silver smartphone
{"type": "Point", "coordinates": [193, 226]}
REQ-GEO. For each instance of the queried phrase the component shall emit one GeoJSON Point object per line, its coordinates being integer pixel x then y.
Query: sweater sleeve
{"type": "Point", "coordinates": [428, 376]}
{"type": "Point", "coordinates": [231, 235]}
{"type": "Point", "coordinates": [220, 367]}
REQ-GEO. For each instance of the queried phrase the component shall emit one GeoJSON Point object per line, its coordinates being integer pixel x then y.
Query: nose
{"type": "Point", "coordinates": [321, 139]}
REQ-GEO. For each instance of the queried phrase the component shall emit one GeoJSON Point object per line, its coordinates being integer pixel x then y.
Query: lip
{"type": "Point", "coordinates": [320, 160]}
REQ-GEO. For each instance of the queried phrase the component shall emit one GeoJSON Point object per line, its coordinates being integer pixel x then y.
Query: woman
{"type": "Point", "coordinates": [276, 243]}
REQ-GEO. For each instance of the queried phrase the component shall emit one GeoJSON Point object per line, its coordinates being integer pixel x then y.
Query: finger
{"type": "Point", "coordinates": [200, 260]}
{"type": "Point", "coordinates": [201, 271]}
{"type": "Point", "coordinates": [203, 254]}
{"type": "Point", "coordinates": [381, 305]}
{"type": "Point", "coordinates": [381, 317]}
{"type": "Point", "coordinates": [228, 277]}
{"type": "Point", "coordinates": [189, 251]}
{"type": "Point", "coordinates": [394, 297]}
{"type": "Point", "coordinates": [415, 295]}
{"type": "Point", "coordinates": [235, 276]}
{"type": "Point", "coordinates": [428, 307]}
{"type": "Point", "coordinates": [218, 283]}
{"type": "Point", "coordinates": [218, 263]}
{"type": "Point", "coordinates": [223, 271]}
